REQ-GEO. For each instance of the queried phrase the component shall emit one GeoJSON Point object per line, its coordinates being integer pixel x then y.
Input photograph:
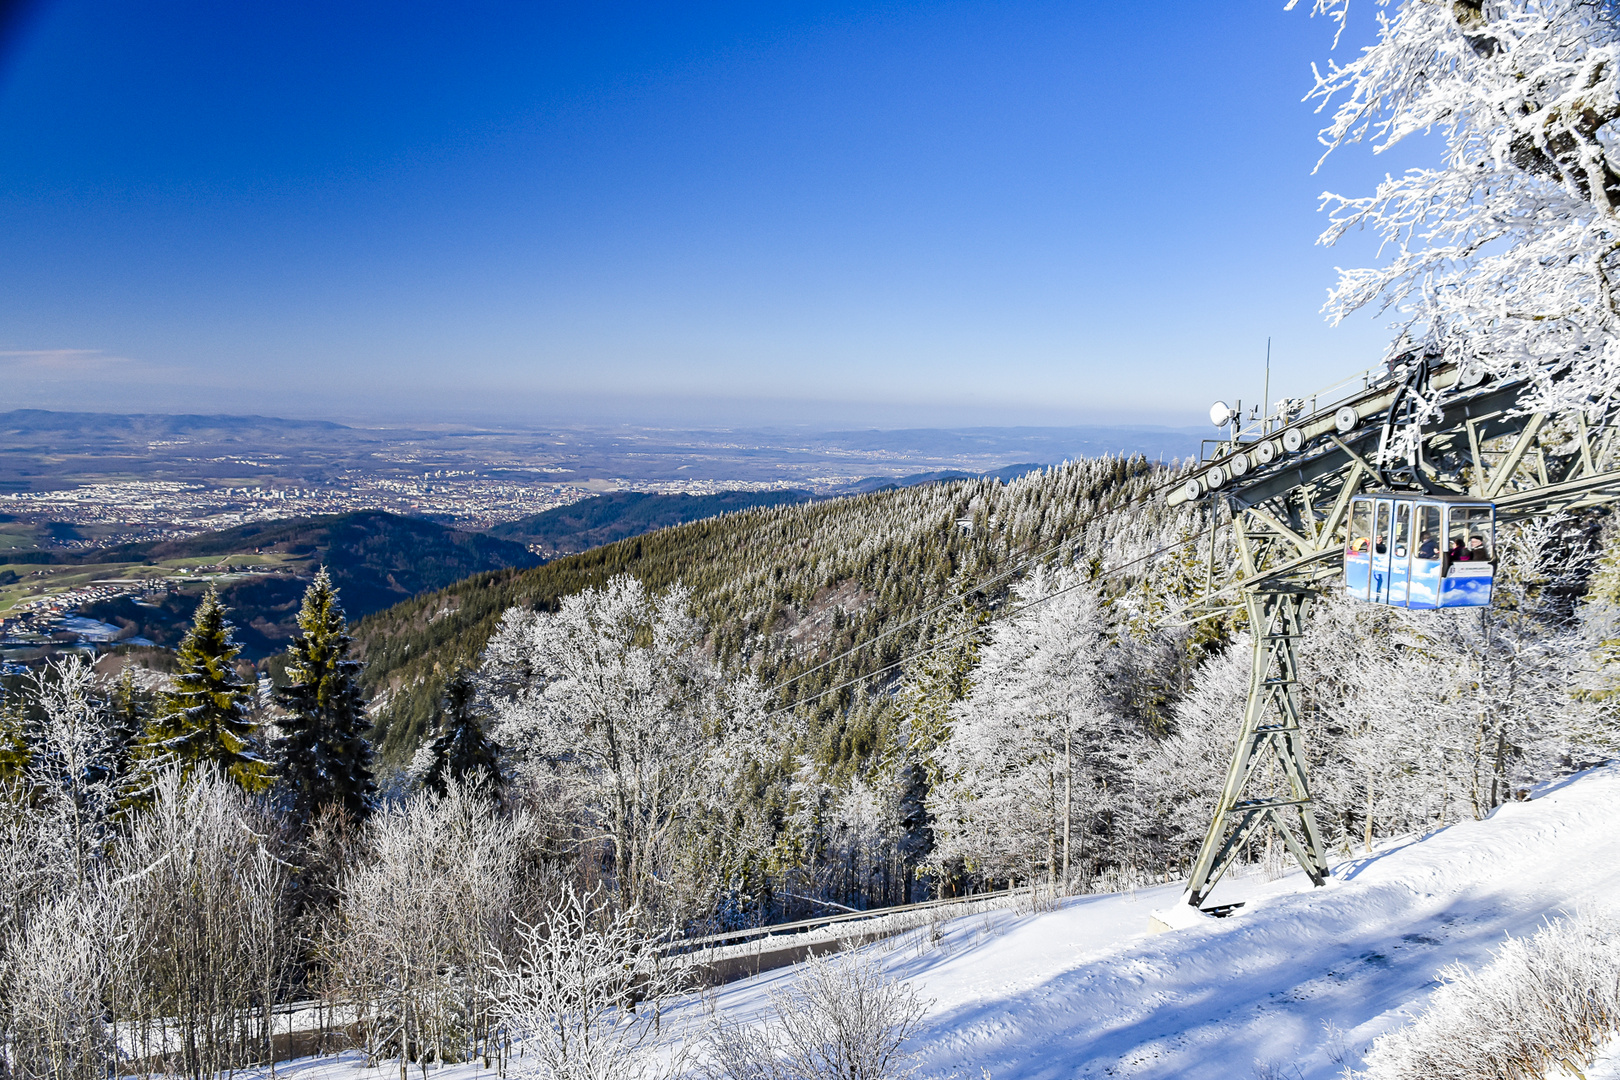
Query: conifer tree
{"type": "Point", "coordinates": [15, 751]}
{"type": "Point", "coordinates": [933, 685]}
{"type": "Point", "coordinates": [462, 750]}
{"type": "Point", "coordinates": [323, 756]}
{"type": "Point", "coordinates": [128, 713]}
{"type": "Point", "coordinates": [206, 717]}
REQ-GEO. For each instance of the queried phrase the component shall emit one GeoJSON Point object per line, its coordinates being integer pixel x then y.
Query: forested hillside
{"type": "Point", "coordinates": [620, 515]}
{"type": "Point", "coordinates": [377, 559]}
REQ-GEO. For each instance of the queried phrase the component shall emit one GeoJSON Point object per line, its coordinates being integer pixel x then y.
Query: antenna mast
{"type": "Point", "coordinates": [1265, 399]}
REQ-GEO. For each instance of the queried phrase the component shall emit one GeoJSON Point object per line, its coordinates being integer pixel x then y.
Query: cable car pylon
{"type": "Point", "coordinates": [1289, 481]}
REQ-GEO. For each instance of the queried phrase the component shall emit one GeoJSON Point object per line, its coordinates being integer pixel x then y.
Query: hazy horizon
{"type": "Point", "coordinates": [704, 415]}
{"type": "Point", "coordinates": [439, 420]}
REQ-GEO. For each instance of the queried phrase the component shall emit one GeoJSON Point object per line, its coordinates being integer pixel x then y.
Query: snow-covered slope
{"type": "Point", "coordinates": [1296, 985]}
{"type": "Point", "coordinates": [1087, 991]}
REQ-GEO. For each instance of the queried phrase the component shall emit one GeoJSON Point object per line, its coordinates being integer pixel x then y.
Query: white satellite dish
{"type": "Point", "coordinates": [1220, 414]}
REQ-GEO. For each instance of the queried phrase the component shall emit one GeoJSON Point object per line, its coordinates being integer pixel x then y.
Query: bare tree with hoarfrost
{"type": "Point", "coordinates": [70, 771]}
{"type": "Point", "coordinates": [1506, 252]}
{"type": "Point", "coordinates": [842, 1018]}
{"type": "Point", "coordinates": [1450, 713]}
{"type": "Point", "coordinates": [55, 965]}
{"type": "Point", "coordinates": [1594, 726]}
{"type": "Point", "coordinates": [54, 986]}
{"type": "Point", "coordinates": [204, 927]}
{"type": "Point", "coordinates": [418, 921]}
{"type": "Point", "coordinates": [587, 994]}
{"type": "Point", "coordinates": [1033, 752]}
{"type": "Point", "coordinates": [1178, 780]}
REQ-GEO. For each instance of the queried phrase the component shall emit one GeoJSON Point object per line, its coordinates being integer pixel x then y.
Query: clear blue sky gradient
{"type": "Point", "coordinates": [890, 214]}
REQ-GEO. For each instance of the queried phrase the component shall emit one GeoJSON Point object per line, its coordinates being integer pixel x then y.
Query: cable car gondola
{"type": "Point", "coordinates": [1411, 550]}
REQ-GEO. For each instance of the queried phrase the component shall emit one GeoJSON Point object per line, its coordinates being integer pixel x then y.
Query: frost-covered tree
{"type": "Point", "coordinates": [860, 829]}
{"type": "Point", "coordinates": [55, 978]}
{"type": "Point", "coordinates": [1594, 727]}
{"type": "Point", "coordinates": [419, 922]}
{"type": "Point", "coordinates": [1510, 666]}
{"type": "Point", "coordinates": [801, 845]}
{"type": "Point", "coordinates": [842, 1017]}
{"type": "Point", "coordinates": [70, 771]}
{"type": "Point", "coordinates": [322, 755]}
{"type": "Point", "coordinates": [206, 943]}
{"type": "Point", "coordinates": [1505, 251]}
{"type": "Point", "coordinates": [588, 991]}
{"type": "Point", "coordinates": [207, 715]}
{"type": "Point", "coordinates": [1034, 758]}
{"type": "Point", "coordinates": [910, 760]}
{"type": "Point", "coordinates": [1177, 780]}
{"type": "Point", "coordinates": [728, 870]}
{"type": "Point", "coordinates": [609, 690]}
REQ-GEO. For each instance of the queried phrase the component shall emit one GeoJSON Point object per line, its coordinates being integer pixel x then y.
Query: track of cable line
{"type": "Point", "coordinates": [1017, 568]}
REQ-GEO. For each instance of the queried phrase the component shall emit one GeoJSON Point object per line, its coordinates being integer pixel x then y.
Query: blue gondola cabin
{"type": "Point", "coordinates": [1420, 551]}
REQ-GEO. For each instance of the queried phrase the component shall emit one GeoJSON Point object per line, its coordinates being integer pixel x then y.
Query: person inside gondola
{"type": "Point", "coordinates": [1381, 546]}
{"type": "Point", "coordinates": [1458, 552]}
{"type": "Point", "coordinates": [1477, 552]}
{"type": "Point", "coordinates": [1428, 547]}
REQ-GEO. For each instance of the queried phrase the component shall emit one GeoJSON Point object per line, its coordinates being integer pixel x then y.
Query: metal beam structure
{"type": "Point", "coordinates": [1288, 481]}
{"type": "Point", "coordinates": [1268, 749]}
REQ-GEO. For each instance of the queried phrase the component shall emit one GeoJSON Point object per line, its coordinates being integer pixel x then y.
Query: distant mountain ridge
{"type": "Point", "coordinates": [1049, 444]}
{"type": "Point", "coordinates": [886, 483]}
{"type": "Point", "coordinates": [620, 515]}
{"type": "Point", "coordinates": [376, 559]}
{"type": "Point", "coordinates": [37, 421]}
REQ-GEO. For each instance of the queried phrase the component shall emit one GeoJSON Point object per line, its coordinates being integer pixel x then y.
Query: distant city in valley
{"type": "Point", "coordinates": [74, 480]}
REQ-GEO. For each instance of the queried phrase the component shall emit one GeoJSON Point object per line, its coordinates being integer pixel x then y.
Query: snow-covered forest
{"type": "Point", "coordinates": [183, 858]}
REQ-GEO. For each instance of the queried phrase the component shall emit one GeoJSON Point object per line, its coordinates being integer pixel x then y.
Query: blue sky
{"type": "Point", "coordinates": [883, 214]}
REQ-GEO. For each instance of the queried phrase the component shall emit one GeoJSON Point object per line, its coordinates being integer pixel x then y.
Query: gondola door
{"type": "Point", "coordinates": [1383, 509]}
{"type": "Point", "coordinates": [1358, 549]}
{"type": "Point", "coordinates": [1400, 555]}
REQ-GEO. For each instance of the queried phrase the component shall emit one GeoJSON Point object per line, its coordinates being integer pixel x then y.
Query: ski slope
{"type": "Point", "coordinates": [1087, 991]}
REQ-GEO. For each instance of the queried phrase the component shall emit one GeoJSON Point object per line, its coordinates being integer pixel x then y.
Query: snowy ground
{"type": "Point", "coordinates": [1295, 985]}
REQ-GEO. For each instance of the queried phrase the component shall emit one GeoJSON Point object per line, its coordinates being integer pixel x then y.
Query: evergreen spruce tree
{"type": "Point", "coordinates": [207, 716]}
{"type": "Point", "coordinates": [128, 713]}
{"type": "Point", "coordinates": [323, 756]}
{"type": "Point", "coordinates": [461, 750]}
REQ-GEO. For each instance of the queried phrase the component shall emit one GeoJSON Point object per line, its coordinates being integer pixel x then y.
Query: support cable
{"type": "Point", "coordinates": [1016, 569]}
{"type": "Point", "coordinates": [956, 638]}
